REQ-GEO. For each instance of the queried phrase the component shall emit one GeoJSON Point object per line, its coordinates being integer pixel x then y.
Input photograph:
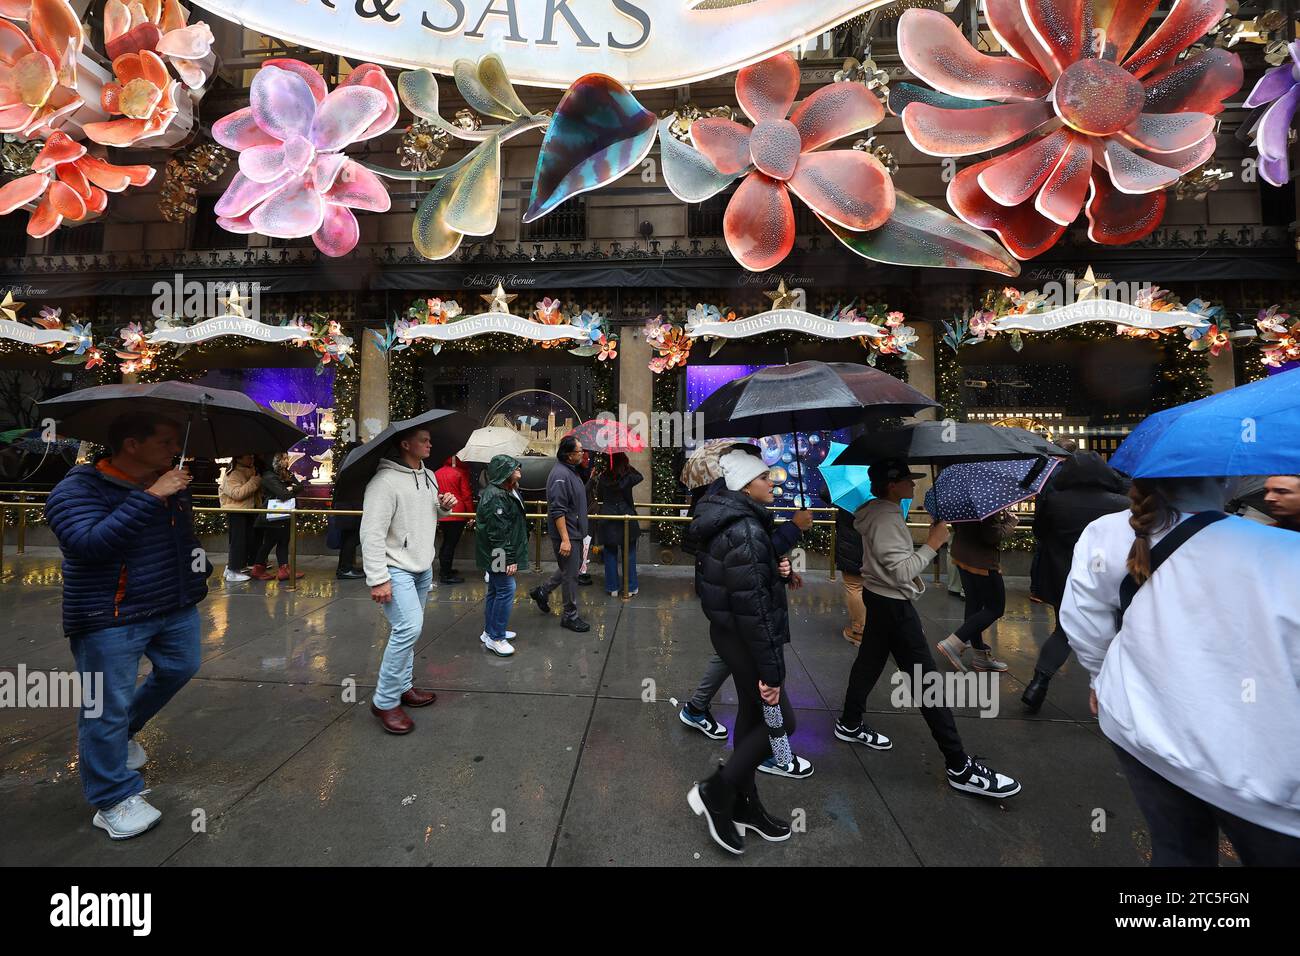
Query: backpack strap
{"type": "Point", "coordinates": [1161, 552]}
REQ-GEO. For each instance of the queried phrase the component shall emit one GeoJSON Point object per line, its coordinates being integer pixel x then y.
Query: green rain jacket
{"type": "Point", "coordinates": [500, 521]}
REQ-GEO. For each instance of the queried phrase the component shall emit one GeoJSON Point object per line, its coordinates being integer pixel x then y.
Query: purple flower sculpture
{"type": "Point", "coordinates": [1280, 87]}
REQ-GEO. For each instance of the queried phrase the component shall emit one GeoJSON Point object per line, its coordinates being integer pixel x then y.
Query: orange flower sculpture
{"type": "Point", "coordinates": [143, 95]}
{"type": "Point", "coordinates": [38, 74]}
{"type": "Point", "coordinates": [69, 184]}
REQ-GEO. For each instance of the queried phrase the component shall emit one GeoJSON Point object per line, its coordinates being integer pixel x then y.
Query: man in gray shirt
{"type": "Point", "coordinates": [566, 520]}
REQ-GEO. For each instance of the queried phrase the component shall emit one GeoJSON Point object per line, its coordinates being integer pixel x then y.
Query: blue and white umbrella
{"type": "Point", "coordinates": [971, 491]}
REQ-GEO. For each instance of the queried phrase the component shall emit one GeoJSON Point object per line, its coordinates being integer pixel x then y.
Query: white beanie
{"type": "Point", "coordinates": [740, 468]}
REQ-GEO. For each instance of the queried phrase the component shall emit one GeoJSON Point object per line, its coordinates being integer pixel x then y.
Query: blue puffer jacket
{"type": "Point", "coordinates": [127, 555]}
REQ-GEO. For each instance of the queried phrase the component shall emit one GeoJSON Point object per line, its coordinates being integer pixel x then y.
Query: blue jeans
{"type": "Point", "coordinates": [612, 580]}
{"type": "Point", "coordinates": [405, 613]}
{"type": "Point", "coordinates": [171, 642]}
{"type": "Point", "coordinates": [500, 602]}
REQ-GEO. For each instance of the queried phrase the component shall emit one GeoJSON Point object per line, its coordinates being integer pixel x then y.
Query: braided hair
{"type": "Point", "coordinates": [1151, 514]}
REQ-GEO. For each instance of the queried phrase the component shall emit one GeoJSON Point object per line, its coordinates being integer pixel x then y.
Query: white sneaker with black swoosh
{"type": "Point", "coordinates": [976, 777]}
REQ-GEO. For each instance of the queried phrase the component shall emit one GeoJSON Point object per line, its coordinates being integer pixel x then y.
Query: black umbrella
{"type": "Point", "coordinates": [217, 422]}
{"type": "Point", "coordinates": [806, 396]}
{"type": "Point", "coordinates": [946, 443]}
{"type": "Point", "coordinates": [450, 432]}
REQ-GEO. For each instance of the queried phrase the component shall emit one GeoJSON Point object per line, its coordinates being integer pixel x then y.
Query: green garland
{"type": "Point", "coordinates": [664, 485]}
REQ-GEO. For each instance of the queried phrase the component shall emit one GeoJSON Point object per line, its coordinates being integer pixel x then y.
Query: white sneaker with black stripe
{"type": "Point", "coordinates": [976, 777]}
{"type": "Point", "coordinates": [862, 734]}
{"type": "Point", "coordinates": [798, 768]}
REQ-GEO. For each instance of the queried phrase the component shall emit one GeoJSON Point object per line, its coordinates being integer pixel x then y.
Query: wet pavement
{"type": "Point", "coordinates": [569, 753]}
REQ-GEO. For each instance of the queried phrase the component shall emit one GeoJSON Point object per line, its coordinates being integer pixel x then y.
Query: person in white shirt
{"type": "Point", "coordinates": [1197, 684]}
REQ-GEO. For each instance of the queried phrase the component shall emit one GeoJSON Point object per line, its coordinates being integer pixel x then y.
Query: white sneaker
{"type": "Point", "coordinates": [130, 818]}
{"type": "Point", "coordinates": [230, 575]}
{"type": "Point", "coordinates": [510, 635]}
{"type": "Point", "coordinates": [499, 648]}
{"type": "Point", "coordinates": [135, 755]}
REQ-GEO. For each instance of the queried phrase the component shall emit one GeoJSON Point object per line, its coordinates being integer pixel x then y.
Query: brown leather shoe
{"type": "Point", "coordinates": [395, 720]}
{"type": "Point", "coordinates": [418, 698]}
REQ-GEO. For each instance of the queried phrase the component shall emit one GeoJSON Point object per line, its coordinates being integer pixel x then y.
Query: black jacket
{"type": "Point", "coordinates": [736, 577]}
{"type": "Point", "coordinates": [848, 543]}
{"type": "Point", "coordinates": [615, 498]}
{"type": "Point", "coordinates": [273, 486]}
{"type": "Point", "coordinates": [1084, 488]}
{"type": "Point", "coordinates": [785, 537]}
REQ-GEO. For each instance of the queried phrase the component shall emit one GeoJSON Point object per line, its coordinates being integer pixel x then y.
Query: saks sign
{"type": "Point", "coordinates": [641, 43]}
{"type": "Point", "coordinates": [792, 320]}
{"type": "Point", "coordinates": [492, 322]}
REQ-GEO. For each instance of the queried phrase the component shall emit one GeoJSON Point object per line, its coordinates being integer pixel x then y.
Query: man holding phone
{"type": "Point", "coordinates": [133, 575]}
{"type": "Point", "coordinates": [891, 580]}
{"type": "Point", "coordinates": [399, 517]}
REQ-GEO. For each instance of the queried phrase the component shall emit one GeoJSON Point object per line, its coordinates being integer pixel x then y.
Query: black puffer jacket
{"type": "Point", "coordinates": [1084, 488]}
{"type": "Point", "coordinates": [848, 543]}
{"type": "Point", "coordinates": [736, 577]}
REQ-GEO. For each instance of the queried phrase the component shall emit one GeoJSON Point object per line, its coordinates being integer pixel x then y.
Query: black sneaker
{"type": "Point", "coordinates": [543, 603]}
{"type": "Point", "coordinates": [452, 578]}
{"type": "Point", "coordinates": [750, 815]}
{"type": "Point", "coordinates": [585, 580]}
{"type": "Point", "coordinates": [976, 777]}
{"type": "Point", "coordinates": [714, 801]}
{"type": "Point", "coordinates": [862, 734]}
{"type": "Point", "coordinates": [703, 721]}
{"type": "Point", "coordinates": [350, 574]}
{"type": "Point", "coordinates": [576, 624]}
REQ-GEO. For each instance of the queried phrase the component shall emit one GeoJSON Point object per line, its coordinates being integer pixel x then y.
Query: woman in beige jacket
{"type": "Point", "coordinates": [237, 493]}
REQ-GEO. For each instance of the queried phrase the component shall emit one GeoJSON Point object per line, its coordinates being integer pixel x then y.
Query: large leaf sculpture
{"type": "Point", "coordinates": [599, 132]}
{"type": "Point", "coordinates": [466, 197]}
{"type": "Point", "coordinates": [1073, 117]}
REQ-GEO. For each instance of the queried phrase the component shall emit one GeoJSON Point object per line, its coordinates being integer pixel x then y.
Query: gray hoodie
{"type": "Point", "coordinates": [398, 521]}
{"type": "Point", "coordinates": [891, 562]}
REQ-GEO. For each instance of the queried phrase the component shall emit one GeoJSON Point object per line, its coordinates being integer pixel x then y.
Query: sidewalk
{"type": "Point", "coordinates": [569, 753]}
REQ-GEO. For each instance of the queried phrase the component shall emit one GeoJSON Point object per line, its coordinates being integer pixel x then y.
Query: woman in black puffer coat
{"type": "Point", "coordinates": [741, 581]}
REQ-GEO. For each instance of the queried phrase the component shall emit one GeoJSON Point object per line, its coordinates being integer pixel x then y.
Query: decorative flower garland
{"type": "Point", "coordinates": [598, 337]}
{"type": "Point", "coordinates": [672, 342]}
{"type": "Point", "coordinates": [1279, 335]}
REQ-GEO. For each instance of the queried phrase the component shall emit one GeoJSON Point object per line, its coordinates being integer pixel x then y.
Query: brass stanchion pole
{"type": "Point", "coordinates": [293, 551]}
{"type": "Point", "coordinates": [834, 525]}
{"type": "Point", "coordinates": [627, 541]}
{"type": "Point", "coordinates": [537, 543]}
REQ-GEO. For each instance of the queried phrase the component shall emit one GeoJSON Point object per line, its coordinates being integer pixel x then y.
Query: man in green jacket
{"type": "Point", "coordinates": [500, 546]}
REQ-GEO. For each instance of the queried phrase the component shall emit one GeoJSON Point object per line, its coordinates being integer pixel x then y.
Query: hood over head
{"type": "Point", "coordinates": [500, 468]}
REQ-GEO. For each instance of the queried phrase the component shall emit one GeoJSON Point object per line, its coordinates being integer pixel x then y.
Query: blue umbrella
{"type": "Point", "coordinates": [1248, 430]}
{"type": "Point", "coordinates": [847, 486]}
{"type": "Point", "coordinates": [971, 491]}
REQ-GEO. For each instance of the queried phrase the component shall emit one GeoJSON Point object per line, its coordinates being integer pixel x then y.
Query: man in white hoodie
{"type": "Point", "coordinates": [1197, 682]}
{"type": "Point", "coordinates": [399, 517]}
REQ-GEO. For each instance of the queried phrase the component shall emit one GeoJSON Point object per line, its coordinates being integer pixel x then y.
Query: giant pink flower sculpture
{"type": "Point", "coordinates": [1092, 122]}
{"type": "Point", "coordinates": [849, 187]}
{"type": "Point", "coordinates": [294, 179]}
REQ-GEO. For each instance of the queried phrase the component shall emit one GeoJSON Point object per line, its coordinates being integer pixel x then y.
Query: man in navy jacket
{"type": "Point", "coordinates": [133, 575]}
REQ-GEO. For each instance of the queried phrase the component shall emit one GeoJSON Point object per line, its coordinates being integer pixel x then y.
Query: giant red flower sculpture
{"type": "Point", "coordinates": [848, 187]}
{"type": "Point", "coordinates": [1074, 116]}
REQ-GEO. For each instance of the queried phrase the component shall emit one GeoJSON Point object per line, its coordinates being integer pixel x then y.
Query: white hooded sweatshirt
{"type": "Point", "coordinates": [1202, 684]}
{"type": "Point", "coordinates": [399, 517]}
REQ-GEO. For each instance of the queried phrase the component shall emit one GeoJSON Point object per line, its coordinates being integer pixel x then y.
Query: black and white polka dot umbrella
{"type": "Point", "coordinates": [971, 491]}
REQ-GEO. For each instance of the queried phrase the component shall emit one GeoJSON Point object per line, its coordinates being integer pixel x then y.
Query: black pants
{"type": "Point", "coordinates": [894, 627]}
{"type": "Point", "coordinates": [986, 602]}
{"type": "Point", "coordinates": [349, 541]}
{"type": "Point", "coordinates": [451, 532]}
{"type": "Point", "coordinates": [277, 538]}
{"type": "Point", "coordinates": [1185, 829]}
{"type": "Point", "coordinates": [243, 540]}
{"type": "Point", "coordinates": [1056, 649]}
{"type": "Point", "coordinates": [566, 575]}
{"type": "Point", "coordinates": [750, 744]}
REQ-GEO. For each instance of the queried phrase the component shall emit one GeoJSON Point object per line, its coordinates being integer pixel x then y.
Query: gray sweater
{"type": "Point", "coordinates": [891, 562]}
{"type": "Point", "coordinates": [398, 521]}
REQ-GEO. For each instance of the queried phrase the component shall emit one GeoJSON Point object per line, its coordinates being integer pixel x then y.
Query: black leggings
{"type": "Point", "coordinates": [986, 601]}
{"type": "Point", "coordinates": [1056, 649]}
{"type": "Point", "coordinates": [277, 538]}
{"type": "Point", "coordinates": [750, 745]}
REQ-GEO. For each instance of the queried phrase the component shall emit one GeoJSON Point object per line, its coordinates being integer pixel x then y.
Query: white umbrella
{"type": "Point", "coordinates": [488, 442]}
